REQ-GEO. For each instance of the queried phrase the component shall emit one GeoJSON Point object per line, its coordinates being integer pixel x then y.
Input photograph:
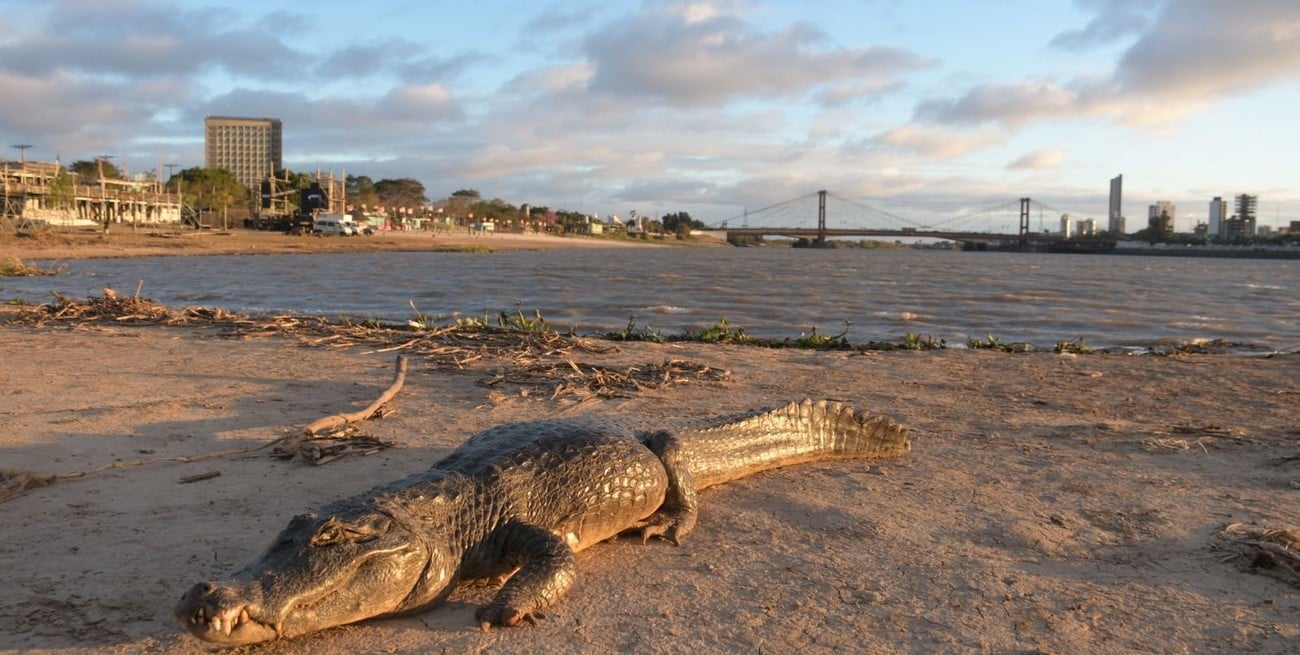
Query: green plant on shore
{"type": "Point", "coordinates": [521, 323]}
{"type": "Point", "coordinates": [1075, 346]}
{"type": "Point", "coordinates": [20, 302]}
{"type": "Point", "coordinates": [420, 321]}
{"type": "Point", "coordinates": [634, 333]}
{"type": "Point", "coordinates": [14, 267]}
{"type": "Point", "coordinates": [989, 342]}
{"type": "Point", "coordinates": [914, 341]}
{"type": "Point", "coordinates": [823, 341]}
{"type": "Point", "coordinates": [720, 332]}
{"type": "Point", "coordinates": [1202, 347]}
{"type": "Point", "coordinates": [472, 323]}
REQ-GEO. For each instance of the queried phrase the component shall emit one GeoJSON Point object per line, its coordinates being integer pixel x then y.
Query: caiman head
{"type": "Point", "coordinates": [353, 564]}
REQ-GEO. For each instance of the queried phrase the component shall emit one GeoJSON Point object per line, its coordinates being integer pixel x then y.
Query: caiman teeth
{"type": "Point", "coordinates": [223, 622]}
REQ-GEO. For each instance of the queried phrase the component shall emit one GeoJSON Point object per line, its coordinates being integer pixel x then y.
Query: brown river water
{"type": "Point", "coordinates": [1111, 302]}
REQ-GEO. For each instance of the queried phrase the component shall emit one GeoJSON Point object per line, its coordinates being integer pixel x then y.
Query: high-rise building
{"type": "Point", "coordinates": [1246, 205]}
{"type": "Point", "coordinates": [1116, 223]}
{"type": "Point", "coordinates": [1161, 217]}
{"type": "Point", "coordinates": [1242, 225]}
{"type": "Point", "coordinates": [1218, 215]}
{"type": "Point", "coordinates": [247, 147]}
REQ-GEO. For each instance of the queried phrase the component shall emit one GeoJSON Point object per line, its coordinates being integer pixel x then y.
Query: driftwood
{"type": "Point", "coordinates": [307, 445]}
{"type": "Point", "coordinates": [1274, 552]}
{"type": "Point", "coordinates": [329, 423]}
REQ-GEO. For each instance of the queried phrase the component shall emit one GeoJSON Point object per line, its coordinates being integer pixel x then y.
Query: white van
{"type": "Point", "coordinates": [331, 224]}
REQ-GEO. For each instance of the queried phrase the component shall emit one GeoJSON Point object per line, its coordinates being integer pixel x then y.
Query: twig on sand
{"type": "Point", "coordinates": [339, 420]}
{"type": "Point", "coordinates": [303, 445]}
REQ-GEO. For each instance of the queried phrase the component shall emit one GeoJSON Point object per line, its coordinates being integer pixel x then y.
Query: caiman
{"type": "Point", "coordinates": [515, 500]}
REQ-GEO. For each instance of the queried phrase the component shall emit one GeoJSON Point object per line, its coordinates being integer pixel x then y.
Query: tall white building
{"type": "Point", "coordinates": [1116, 223]}
{"type": "Point", "coordinates": [1218, 214]}
{"type": "Point", "coordinates": [1067, 226]}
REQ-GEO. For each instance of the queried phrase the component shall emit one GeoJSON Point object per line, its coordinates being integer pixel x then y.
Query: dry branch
{"type": "Point", "coordinates": [339, 420]}
{"type": "Point", "coordinates": [1274, 552]}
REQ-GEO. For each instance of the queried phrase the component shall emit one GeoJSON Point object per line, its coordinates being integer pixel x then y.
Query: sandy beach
{"type": "Point", "coordinates": [1051, 503]}
{"type": "Point", "coordinates": [123, 242]}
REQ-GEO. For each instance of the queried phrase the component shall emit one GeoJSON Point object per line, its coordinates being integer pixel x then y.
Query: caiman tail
{"type": "Point", "coordinates": [794, 434]}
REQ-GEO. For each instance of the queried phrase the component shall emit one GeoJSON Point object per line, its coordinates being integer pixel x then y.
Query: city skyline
{"type": "Point", "coordinates": [706, 107]}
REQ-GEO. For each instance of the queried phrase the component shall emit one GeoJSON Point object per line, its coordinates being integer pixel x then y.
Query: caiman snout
{"type": "Point", "coordinates": [221, 614]}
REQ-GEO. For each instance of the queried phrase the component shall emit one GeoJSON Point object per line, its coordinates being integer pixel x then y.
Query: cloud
{"type": "Point", "coordinates": [147, 40]}
{"type": "Point", "coordinates": [424, 103]}
{"type": "Point", "coordinates": [1010, 104]}
{"type": "Point", "coordinates": [1115, 20]}
{"type": "Point", "coordinates": [1191, 53]}
{"type": "Point", "coordinates": [839, 95]}
{"type": "Point", "coordinates": [936, 142]}
{"type": "Point", "coordinates": [67, 114]}
{"type": "Point", "coordinates": [1200, 48]}
{"type": "Point", "coordinates": [701, 54]}
{"type": "Point", "coordinates": [1041, 159]}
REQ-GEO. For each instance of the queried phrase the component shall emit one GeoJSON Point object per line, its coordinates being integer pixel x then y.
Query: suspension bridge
{"type": "Point", "coordinates": [818, 217]}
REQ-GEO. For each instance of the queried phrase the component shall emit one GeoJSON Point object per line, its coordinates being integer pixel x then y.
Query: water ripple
{"type": "Point", "coordinates": [1108, 301]}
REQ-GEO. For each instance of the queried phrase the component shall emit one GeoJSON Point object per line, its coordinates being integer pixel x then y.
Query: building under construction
{"type": "Point", "coordinates": [285, 207]}
{"type": "Point", "coordinates": [47, 194]}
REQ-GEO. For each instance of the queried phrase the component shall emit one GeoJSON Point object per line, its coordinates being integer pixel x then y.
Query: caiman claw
{"type": "Point", "coordinates": [494, 614]}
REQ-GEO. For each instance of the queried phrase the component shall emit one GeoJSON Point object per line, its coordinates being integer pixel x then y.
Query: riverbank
{"type": "Point", "coordinates": [1051, 503]}
{"type": "Point", "coordinates": [121, 242]}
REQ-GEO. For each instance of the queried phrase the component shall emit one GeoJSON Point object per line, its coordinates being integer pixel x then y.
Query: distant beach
{"type": "Point", "coordinates": [123, 242]}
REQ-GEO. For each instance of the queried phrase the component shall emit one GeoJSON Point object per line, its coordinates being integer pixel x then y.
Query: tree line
{"type": "Point", "coordinates": [218, 188]}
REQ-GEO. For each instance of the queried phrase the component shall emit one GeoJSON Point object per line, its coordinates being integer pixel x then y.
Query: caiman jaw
{"type": "Point", "coordinates": [222, 622]}
{"type": "Point", "coordinates": [212, 614]}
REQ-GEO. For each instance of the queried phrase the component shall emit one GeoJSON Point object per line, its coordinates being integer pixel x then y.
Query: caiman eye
{"type": "Point", "coordinates": [329, 532]}
{"type": "Point", "coordinates": [334, 531]}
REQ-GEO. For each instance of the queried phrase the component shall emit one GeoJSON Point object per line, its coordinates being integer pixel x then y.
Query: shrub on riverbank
{"type": "Point", "coordinates": [14, 267]}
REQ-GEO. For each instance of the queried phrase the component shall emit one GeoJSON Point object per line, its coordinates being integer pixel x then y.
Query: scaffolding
{"type": "Point", "coordinates": [35, 194]}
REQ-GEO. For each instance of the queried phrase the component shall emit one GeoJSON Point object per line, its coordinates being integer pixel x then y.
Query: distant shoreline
{"type": "Point", "coordinates": [122, 242]}
{"type": "Point", "coordinates": [1204, 252]}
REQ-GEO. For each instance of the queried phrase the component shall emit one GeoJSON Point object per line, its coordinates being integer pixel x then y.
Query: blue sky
{"type": "Point", "coordinates": [924, 108]}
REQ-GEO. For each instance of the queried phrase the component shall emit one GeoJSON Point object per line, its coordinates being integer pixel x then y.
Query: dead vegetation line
{"type": "Point", "coordinates": [532, 360]}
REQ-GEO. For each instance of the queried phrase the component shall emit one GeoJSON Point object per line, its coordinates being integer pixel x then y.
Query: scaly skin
{"type": "Point", "coordinates": [521, 497]}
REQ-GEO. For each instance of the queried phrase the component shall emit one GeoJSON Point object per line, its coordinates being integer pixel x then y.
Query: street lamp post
{"type": "Point", "coordinates": [180, 196]}
{"type": "Point", "coordinates": [103, 193]}
{"type": "Point", "coordinates": [22, 152]}
{"type": "Point", "coordinates": [22, 177]}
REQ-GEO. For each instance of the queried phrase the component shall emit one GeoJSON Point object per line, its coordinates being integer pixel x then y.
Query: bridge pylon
{"type": "Point", "coordinates": [821, 217]}
{"type": "Point", "coordinates": [1024, 221]}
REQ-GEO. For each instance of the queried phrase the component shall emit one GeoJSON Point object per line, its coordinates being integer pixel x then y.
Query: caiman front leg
{"type": "Point", "coordinates": [676, 517]}
{"type": "Point", "coordinates": [547, 569]}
